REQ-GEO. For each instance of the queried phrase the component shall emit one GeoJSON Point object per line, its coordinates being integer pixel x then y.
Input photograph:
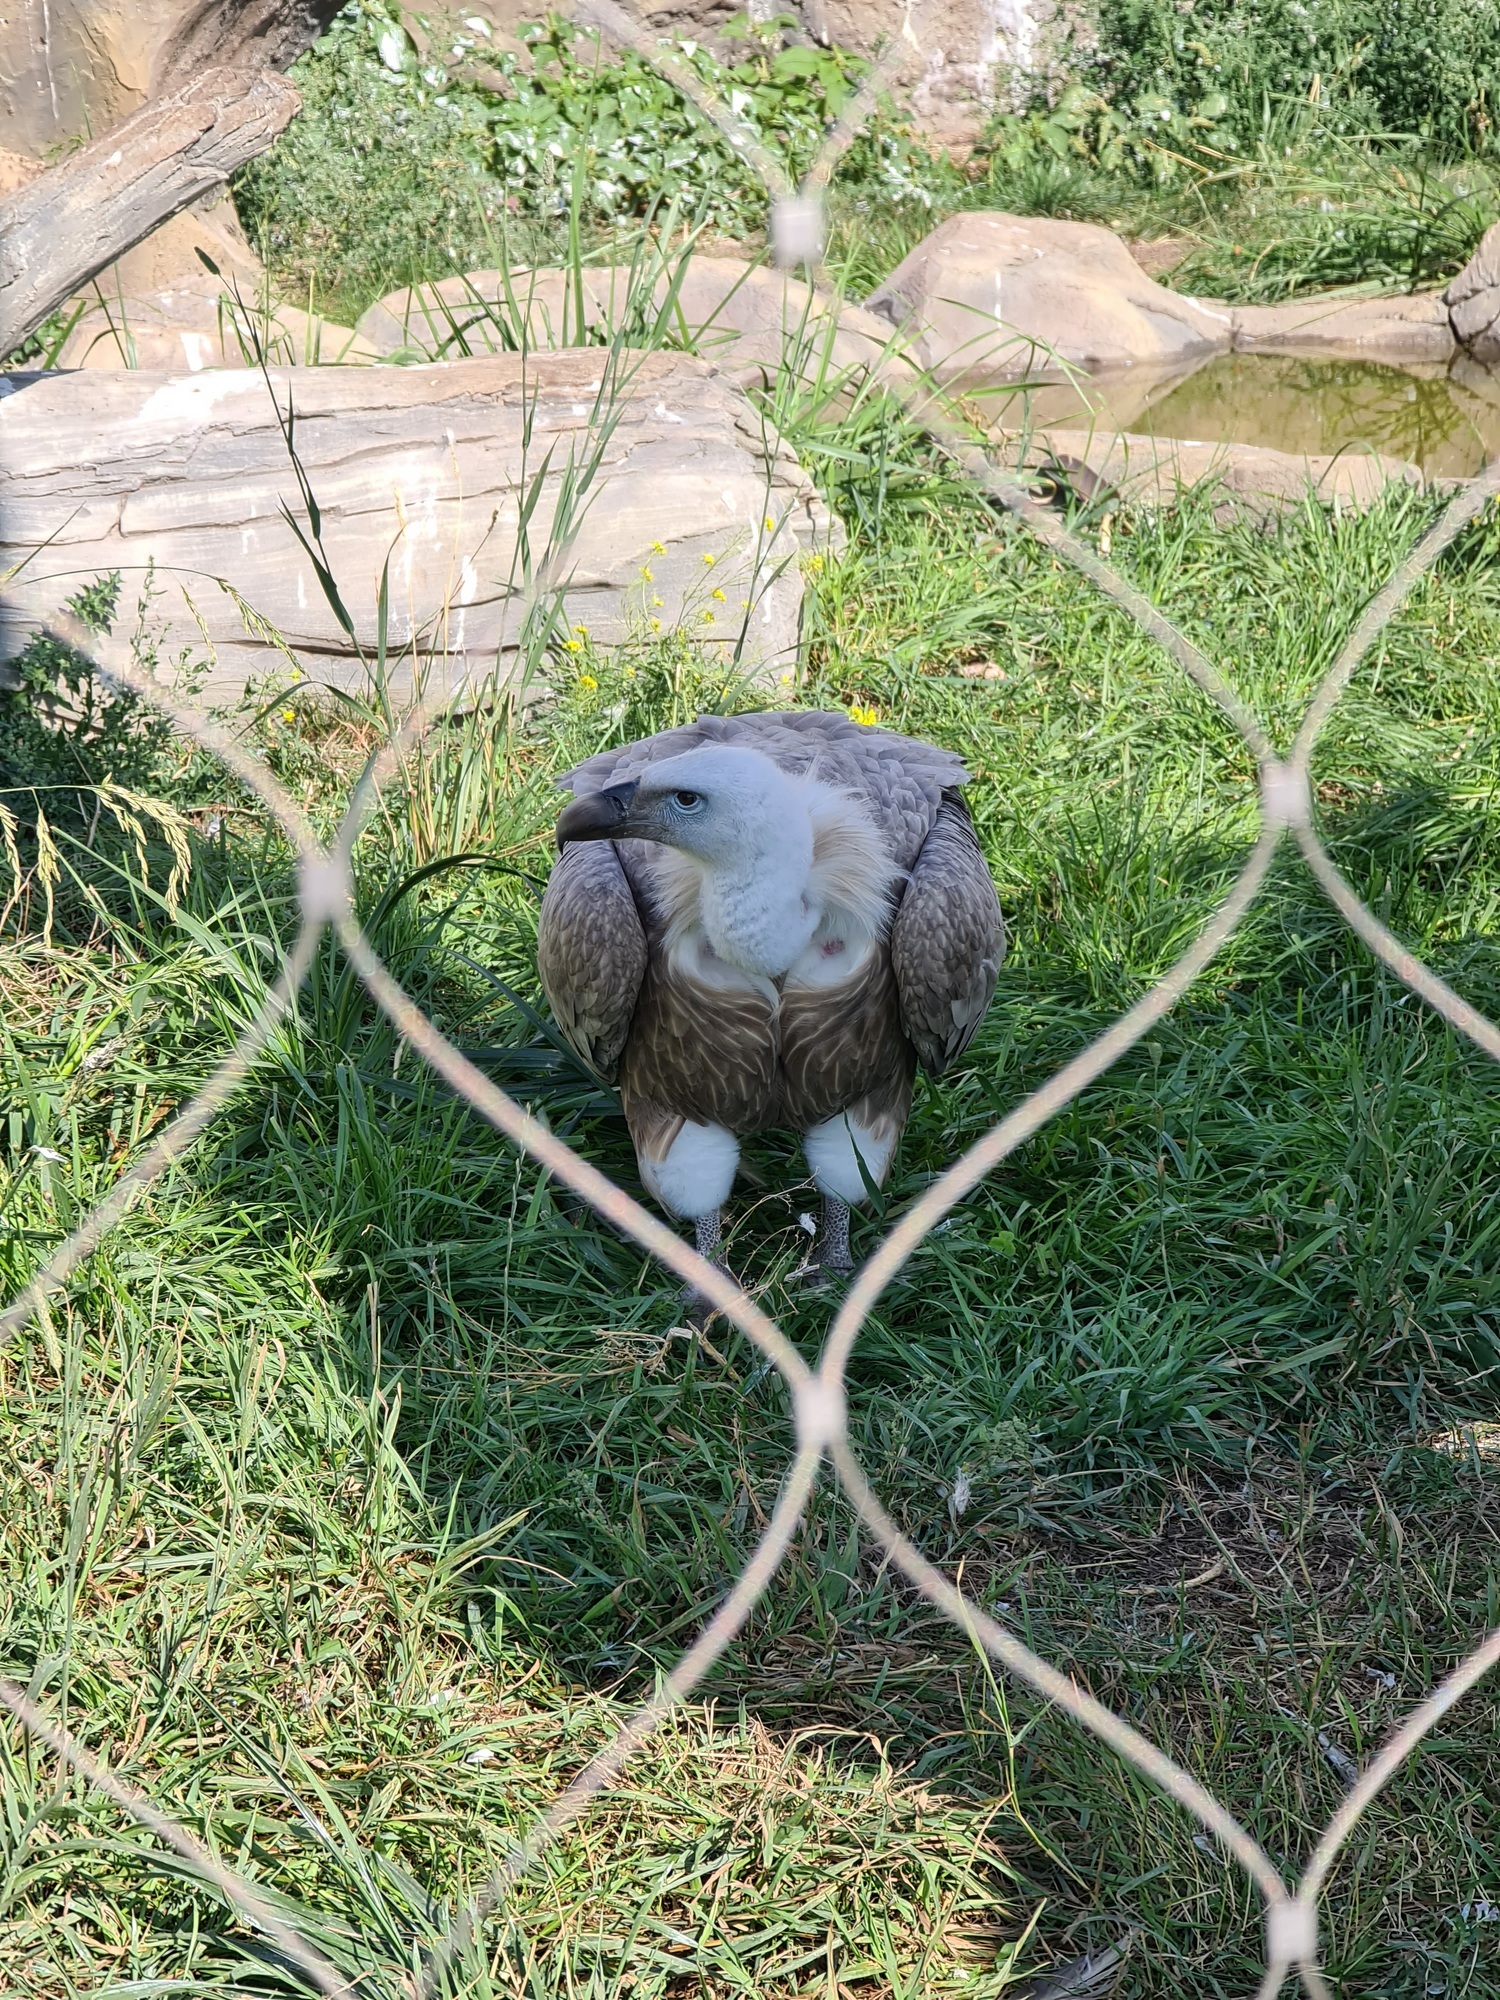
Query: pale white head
{"type": "Point", "coordinates": [716, 803]}
{"type": "Point", "coordinates": [750, 831]}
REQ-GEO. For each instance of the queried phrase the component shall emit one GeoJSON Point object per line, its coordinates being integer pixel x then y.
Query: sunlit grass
{"type": "Point", "coordinates": [359, 1451]}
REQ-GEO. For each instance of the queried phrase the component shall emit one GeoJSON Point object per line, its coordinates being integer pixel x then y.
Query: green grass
{"type": "Point", "coordinates": [360, 1450]}
{"type": "Point", "coordinates": [360, 1482]}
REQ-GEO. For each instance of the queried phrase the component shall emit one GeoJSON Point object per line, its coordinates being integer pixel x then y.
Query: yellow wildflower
{"type": "Point", "coordinates": [587, 681]}
{"type": "Point", "coordinates": [866, 717]}
{"type": "Point", "coordinates": [289, 715]}
{"type": "Point", "coordinates": [719, 597]}
{"type": "Point", "coordinates": [656, 600]}
{"type": "Point", "coordinates": [658, 548]}
{"type": "Point", "coordinates": [770, 525]}
{"type": "Point", "coordinates": [572, 646]}
{"type": "Point", "coordinates": [582, 631]}
{"type": "Point", "coordinates": [655, 624]}
{"type": "Point", "coordinates": [647, 574]}
{"type": "Point", "coordinates": [709, 561]}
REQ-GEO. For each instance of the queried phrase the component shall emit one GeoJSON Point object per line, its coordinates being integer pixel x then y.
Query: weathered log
{"type": "Point", "coordinates": [247, 34]}
{"type": "Point", "coordinates": [62, 228]}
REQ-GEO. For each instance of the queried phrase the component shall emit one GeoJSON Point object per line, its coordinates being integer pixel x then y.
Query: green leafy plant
{"type": "Point", "coordinates": [412, 161]}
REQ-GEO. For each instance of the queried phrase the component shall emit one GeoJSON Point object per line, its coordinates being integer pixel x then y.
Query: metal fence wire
{"type": "Point", "coordinates": [1291, 1943]}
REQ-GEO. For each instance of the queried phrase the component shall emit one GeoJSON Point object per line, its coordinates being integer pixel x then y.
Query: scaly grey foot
{"type": "Point", "coordinates": [830, 1256]}
{"type": "Point", "coordinates": [698, 1309]}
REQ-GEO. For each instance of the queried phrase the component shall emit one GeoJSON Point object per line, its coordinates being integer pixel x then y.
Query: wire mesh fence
{"type": "Point", "coordinates": [1291, 1940]}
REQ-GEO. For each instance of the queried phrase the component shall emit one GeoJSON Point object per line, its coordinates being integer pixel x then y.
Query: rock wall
{"type": "Point", "coordinates": [74, 68]}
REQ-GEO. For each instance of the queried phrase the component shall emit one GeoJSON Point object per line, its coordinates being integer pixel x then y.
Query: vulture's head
{"type": "Point", "coordinates": [722, 804]}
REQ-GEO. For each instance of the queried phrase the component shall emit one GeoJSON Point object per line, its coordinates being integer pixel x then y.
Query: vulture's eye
{"type": "Point", "coordinates": [687, 802]}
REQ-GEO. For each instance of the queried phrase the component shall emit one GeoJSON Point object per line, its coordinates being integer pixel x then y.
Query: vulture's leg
{"type": "Point", "coordinates": [706, 1232]}
{"type": "Point", "coordinates": [847, 1156]}
{"type": "Point", "coordinates": [831, 1251]}
{"type": "Point", "coordinates": [829, 1257]}
{"type": "Point", "coordinates": [691, 1177]}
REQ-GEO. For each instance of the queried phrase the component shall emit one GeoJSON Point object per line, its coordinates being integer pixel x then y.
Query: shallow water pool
{"type": "Point", "coordinates": [1444, 421]}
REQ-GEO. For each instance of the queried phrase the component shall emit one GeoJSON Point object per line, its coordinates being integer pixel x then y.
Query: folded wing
{"type": "Point", "coordinates": [591, 952]}
{"type": "Point", "coordinates": [947, 940]}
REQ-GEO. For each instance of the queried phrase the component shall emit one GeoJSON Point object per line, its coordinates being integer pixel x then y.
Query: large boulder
{"type": "Point", "coordinates": [988, 298]}
{"type": "Point", "coordinates": [1473, 299]}
{"type": "Point", "coordinates": [663, 496]}
{"type": "Point", "coordinates": [1411, 329]}
{"type": "Point", "coordinates": [746, 317]}
{"type": "Point", "coordinates": [160, 307]}
{"type": "Point", "coordinates": [193, 323]}
{"type": "Point", "coordinates": [496, 311]}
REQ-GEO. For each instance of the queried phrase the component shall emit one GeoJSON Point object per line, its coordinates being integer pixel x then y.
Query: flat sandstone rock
{"type": "Point", "coordinates": [745, 317]}
{"type": "Point", "coordinates": [194, 323]}
{"type": "Point", "coordinates": [160, 307]}
{"type": "Point", "coordinates": [186, 475]}
{"type": "Point", "coordinates": [1399, 330]}
{"type": "Point", "coordinates": [1153, 471]}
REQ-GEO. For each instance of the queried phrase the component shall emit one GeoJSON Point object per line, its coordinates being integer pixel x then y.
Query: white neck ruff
{"type": "Point", "coordinates": [826, 882]}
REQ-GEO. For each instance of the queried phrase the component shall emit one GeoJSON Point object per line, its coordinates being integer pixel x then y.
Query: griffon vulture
{"type": "Point", "coordinates": [768, 920]}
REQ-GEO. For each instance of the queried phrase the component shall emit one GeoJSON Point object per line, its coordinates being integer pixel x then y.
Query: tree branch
{"type": "Point", "coordinates": [79, 216]}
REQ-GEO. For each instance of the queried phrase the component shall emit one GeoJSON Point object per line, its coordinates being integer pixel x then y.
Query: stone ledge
{"type": "Point", "coordinates": [187, 474]}
{"type": "Point", "coordinates": [1154, 471]}
{"type": "Point", "coordinates": [1416, 328]}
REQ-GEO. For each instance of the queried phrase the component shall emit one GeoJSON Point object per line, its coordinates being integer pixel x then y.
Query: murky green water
{"type": "Point", "coordinates": [1445, 421]}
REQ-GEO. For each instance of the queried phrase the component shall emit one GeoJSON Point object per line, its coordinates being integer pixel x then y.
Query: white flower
{"type": "Point", "coordinates": [480, 1757]}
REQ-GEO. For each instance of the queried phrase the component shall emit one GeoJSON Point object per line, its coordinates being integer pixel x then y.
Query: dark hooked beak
{"type": "Point", "coordinates": [597, 815]}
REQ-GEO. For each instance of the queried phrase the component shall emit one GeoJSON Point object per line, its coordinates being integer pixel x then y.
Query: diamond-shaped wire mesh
{"type": "Point", "coordinates": [797, 233]}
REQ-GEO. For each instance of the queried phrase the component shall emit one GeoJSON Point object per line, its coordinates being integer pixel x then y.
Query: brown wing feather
{"type": "Point", "coordinates": [947, 940]}
{"type": "Point", "coordinates": [591, 952]}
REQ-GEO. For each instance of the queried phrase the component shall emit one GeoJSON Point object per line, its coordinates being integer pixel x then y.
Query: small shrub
{"type": "Point", "coordinates": [61, 725]}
